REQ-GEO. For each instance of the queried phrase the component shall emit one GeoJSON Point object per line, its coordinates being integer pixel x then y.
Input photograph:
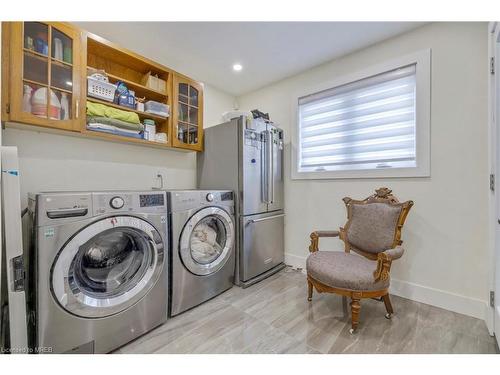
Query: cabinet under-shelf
{"type": "Point", "coordinates": [122, 139]}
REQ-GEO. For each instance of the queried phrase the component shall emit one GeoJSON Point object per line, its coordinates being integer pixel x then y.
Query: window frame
{"type": "Point", "coordinates": [422, 60]}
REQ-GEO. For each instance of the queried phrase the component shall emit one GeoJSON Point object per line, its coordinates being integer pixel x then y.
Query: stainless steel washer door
{"type": "Point", "coordinates": [107, 267]}
{"type": "Point", "coordinates": [207, 240]}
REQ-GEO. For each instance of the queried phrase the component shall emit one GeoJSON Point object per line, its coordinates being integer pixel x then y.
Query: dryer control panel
{"type": "Point", "coordinates": [181, 200]}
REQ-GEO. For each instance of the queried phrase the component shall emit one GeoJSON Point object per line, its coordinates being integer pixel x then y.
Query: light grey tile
{"type": "Point", "coordinates": [276, 342]}
{"type": "Point", "coordinates": [274, 316]}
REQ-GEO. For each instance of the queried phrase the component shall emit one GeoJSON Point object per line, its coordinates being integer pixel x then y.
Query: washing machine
{"type": "Point", "coordinates": [98, 269]}
{"type": "Point", "coordinates": [202, 257]}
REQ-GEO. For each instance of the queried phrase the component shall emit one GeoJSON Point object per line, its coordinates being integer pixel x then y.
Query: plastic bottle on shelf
{"type": "Point", "coordinates": [58, 49]}
{"type": "Point", "coordinates": [64, 106]}
{"type": "Point", "coordinates": [28, 90]}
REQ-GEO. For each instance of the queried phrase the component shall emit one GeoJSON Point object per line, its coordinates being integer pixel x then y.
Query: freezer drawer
{"type": "Point", "coordinates": [262, 243]}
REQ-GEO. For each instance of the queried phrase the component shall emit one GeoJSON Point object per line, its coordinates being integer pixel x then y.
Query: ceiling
{"type": "Point", "coordinates": [268, 51]}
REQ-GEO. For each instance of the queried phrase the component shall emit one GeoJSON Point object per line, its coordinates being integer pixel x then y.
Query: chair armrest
{"type": "Point", "coordinates": [320, 233]}
{"type": "Point", "coordinates": [395, 253]}
{"type": "Point", "coordinates": [384, 261]}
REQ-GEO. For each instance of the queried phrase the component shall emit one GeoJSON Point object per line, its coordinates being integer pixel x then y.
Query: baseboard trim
{"type": "Point", "coordinates": [440, 298]}
{"type": "Point", "coordinates": [295, 261]}
{"type": "Point", "coordinates": [497, 334]}
{"type": "Point", "coordinates": [420, 293]}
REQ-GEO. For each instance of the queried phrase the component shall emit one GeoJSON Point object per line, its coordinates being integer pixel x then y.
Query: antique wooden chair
{"type": "Point", "coordinates": [373, 230]}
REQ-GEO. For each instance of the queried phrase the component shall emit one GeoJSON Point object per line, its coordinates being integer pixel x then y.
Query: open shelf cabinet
{"type": "Point", "coordinates": [130, 68]}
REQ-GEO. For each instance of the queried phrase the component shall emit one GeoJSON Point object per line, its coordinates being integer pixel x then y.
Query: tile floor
{"type": "Point", "coordinates": [274, 316]}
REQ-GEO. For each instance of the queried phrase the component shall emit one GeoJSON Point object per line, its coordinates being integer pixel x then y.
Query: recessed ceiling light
{"type": "Point", "coordinates": [237, 67]}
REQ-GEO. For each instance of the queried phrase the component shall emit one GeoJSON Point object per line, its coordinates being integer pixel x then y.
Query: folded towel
{"type": "Point", "coordinates": [113, 130]}
{"type": "Point", "coordinates": [114, 122]}
{"type": "Point", "coordinates": [101, 110]}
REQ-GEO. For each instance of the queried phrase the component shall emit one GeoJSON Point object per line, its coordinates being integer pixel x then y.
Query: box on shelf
{"type": "Point", "coordinates": [154, 82]}
{"type": "Point", "coordinates": [157, 108]}
{"type": "Point", "coordinates": [161, 137]}
{"type": "Point", "coordinates": [149, 129]}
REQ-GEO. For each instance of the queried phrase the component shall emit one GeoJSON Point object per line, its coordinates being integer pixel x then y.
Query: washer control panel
{"type": "Point", "coordinates": [113, 202]}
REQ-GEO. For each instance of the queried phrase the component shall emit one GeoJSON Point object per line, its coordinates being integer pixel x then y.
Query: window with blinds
{"type": "Point", "coordinates": [367, 124]}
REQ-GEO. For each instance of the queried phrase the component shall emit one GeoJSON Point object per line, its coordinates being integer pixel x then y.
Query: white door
{"type": "Point", "coordinates": [495, 115]}
{"type": "Point", "coordinates": [13, 289]}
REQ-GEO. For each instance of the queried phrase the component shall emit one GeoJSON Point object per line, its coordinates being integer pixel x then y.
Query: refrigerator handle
{"type": "Point", "coordinates": [269, 166]}
{"type": "Point", "coordinates": [252, 221]}
{"type": "Point", "coordinates": [263, 178]}
{"type": "Point", "coordinates": [272, 167]}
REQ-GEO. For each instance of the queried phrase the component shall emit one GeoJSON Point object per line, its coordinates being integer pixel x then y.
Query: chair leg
{"type": "Point", "coordinates": [388, 306]}
{"type": "Point", "coordinates": [309, 290]}
{"type": "Point", "coordinates": [355, 307]}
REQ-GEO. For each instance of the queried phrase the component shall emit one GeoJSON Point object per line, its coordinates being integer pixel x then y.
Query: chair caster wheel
{"type": "Point", "coordinates": [309, 299]}
{"type": "Point", "coordinates": [352, 331]}
{"type": "Point", "coordinates": [388, 316]}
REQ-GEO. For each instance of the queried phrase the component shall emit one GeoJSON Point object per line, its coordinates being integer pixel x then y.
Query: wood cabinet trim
{"type": "Point", "coordinates": [177, 79]}
{"type": "Point", "coordinates": [5, 71]}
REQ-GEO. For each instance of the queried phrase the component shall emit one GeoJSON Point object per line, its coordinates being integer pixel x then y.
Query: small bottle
{"type": "Point", "coordinates": [64, 106]}
{"type": "Point", "coordinates": [27, 98]}
{"type": "Point", "coordinates": [180, 134]}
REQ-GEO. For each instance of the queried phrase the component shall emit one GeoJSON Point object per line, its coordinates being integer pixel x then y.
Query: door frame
{"type": "Point", "coordinates": [492, 321]}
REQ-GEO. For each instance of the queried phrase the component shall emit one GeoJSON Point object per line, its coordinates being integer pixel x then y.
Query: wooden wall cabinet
{"type": "Point", "coordinates": [187, 113]}
{"type": "Point", "coordinates": [45, 76]}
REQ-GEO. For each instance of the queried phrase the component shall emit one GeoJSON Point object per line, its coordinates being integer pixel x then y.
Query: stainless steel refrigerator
{"type": "Point", "coordinates": [246, 155]}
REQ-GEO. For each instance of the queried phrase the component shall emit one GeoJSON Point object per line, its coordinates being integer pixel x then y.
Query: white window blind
{"type": "Point", "coordinates": [367, 124]}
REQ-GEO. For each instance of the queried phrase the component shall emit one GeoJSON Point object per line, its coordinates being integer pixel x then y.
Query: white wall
{"type": "Point", "coordinates": [446, 235]}
{"type": "Point", "coordinates": [216, 102]}
{"type": "Point", "coordinates": [59, 162]}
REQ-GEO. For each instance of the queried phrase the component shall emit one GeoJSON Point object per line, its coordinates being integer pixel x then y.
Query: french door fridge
{"type": "Point", "coordinates": [246, 155]}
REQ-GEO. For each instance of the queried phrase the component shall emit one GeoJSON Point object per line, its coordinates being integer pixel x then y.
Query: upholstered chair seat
{"type": "Point", "coordinates": [344, 270]}
{"type": "Point", "coordinates": [373, 234]}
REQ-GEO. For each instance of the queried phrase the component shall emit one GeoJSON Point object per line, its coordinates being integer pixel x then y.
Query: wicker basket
{"type": "Point", "coordinates": [100, 89]}
{"type": "Point", "coordinates": [154, 82]}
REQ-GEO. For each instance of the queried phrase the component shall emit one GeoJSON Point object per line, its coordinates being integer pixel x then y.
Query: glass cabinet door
{"type": "Point", "coordinates": [45, 74]}
{"type": "Point", "coordinates": [188, 121]}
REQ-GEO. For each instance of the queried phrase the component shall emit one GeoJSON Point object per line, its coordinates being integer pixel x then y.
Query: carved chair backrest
{"type": "Point", "coordinates": [375, 223]}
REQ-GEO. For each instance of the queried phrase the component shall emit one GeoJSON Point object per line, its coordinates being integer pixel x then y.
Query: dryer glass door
{"type": "Point", "coordinates": [207, 241]}
{"type": "Point", "coordinates": [108, 266]}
